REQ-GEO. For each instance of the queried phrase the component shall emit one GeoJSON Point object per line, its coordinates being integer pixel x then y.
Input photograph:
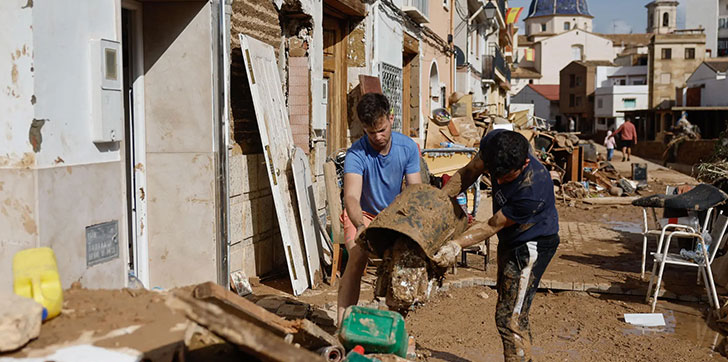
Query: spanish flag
{"type": "Point", "coordinates": [512, 15]}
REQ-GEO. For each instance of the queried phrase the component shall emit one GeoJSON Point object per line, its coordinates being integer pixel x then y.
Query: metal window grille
{"type": "Point", "coordinates": [391, 79]}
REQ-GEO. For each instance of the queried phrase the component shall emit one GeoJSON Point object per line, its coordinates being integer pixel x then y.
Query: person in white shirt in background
{"type": "Point", "coordinates": [610, 144]}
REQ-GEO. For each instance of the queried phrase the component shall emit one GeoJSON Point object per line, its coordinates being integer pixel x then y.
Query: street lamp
{"type": "Point", "coordinates": [489, 9]}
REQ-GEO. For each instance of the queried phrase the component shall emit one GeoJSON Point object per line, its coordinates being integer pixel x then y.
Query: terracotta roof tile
{"type": "Point", "coordinates": [548, 91]}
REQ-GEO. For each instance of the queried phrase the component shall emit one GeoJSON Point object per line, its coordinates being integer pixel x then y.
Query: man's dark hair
{"type": "Point", "coordinates": [371, 107]}
{"type": "Point", "coordinates": [507, 151]}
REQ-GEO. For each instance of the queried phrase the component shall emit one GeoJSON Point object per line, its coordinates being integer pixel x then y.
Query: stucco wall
{"type": "Point", "coordinates": [542, 106]}
{"type": "Point", "coordinates": [677, 70]}
{"type": "Point", "coordinates": [54, 181]}
{"type": "Point", "coordinates": [180, 160]}
{"type": "Point", "coordinates": [555, 53]}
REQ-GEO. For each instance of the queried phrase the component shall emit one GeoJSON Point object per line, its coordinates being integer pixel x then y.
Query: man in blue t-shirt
{"type": "Point", "coordinates": [527, 224]}
{"type": "Point", "coordinates": [374, 169]}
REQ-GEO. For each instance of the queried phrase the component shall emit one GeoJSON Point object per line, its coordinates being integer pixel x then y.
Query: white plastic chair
{"type": "Point", "coordinates": [663, 226]}
{"type": "Point", "coordinates": [663, 257]}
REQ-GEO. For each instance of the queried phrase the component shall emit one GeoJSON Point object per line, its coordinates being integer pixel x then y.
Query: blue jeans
{"type": "Point", "coordinates": [610, 153]}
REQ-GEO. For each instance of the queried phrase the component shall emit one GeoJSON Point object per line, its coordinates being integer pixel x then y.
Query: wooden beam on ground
{"type": "Point", "coordinates": [333, 198]}
{"type": "Point", "coordinates": [610, 200]}
{"type": "Point", "coordinates": [304, 332]}
{"type": "Point", "coordinates": [243, 308]}
{"type": "Point", "coordinates": [250, 337]}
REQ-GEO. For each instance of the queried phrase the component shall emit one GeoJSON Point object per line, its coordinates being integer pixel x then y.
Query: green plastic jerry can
{"type": "Point", "coordinates": [378, 331]}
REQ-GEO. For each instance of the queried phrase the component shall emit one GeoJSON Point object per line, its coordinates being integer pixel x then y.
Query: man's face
{"type": "Point", "coordinates": [509, 177]}
{"type": "Point", "coordinates": [380, 134]}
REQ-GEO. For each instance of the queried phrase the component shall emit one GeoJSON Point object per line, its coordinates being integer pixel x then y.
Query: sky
{"type": "Point", "coordinates": [610, 16]}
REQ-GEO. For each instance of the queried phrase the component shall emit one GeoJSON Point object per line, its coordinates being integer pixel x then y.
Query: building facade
{"type": "Point", "coordinates": [109, 157]}
{"type": "Point", "coordinates": [545, 101]}
{"type": "Point", "coordinates": [578, 82]}
{"type": "Point", "coordinates": [712, 16]}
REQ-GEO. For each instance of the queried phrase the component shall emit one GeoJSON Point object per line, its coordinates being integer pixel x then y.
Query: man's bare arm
{"type": "Point", "coordinates": [413, 178]}
{"type": "Point", "coordinates": [352, 196]}
{"type": "Point", "coordinates": [465, 176]}
{"type": "Point", "coordinates": [483, 230]}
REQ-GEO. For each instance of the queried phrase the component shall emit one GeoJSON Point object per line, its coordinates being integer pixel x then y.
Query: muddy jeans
{"type": "Point", "coordinates": [519, 273]}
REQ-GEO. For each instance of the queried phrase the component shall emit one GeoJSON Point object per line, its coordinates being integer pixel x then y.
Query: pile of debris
{"type": "Point", "coordinates": [716, 170]}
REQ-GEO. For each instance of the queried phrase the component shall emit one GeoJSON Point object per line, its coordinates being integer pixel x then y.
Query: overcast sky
{"type": "Point", "coordinates": [610, 16]}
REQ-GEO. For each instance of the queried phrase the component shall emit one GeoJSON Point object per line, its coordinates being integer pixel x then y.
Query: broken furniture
{"type": "Point", "coordinates": [702, 198]}
{"type": "Point", "coordinates": [702, 260]}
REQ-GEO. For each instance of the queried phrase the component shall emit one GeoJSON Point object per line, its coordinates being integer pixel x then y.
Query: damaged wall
{"type": "Point", "coordinates": [54, 182]}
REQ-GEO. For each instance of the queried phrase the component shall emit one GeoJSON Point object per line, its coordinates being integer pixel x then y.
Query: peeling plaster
{"type": "Point", "coordinates": [34, 135]}
{"type": "Point", "coordinates": [32, 99]}
{"type": "Point", "coordinates": [28, 5]}
{"type": "Point", "coordinates": [14, 73]}
{"type": "Point", "coordinates": [59, 160]}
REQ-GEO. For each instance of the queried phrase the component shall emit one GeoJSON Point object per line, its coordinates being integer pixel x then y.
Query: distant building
{"type": "Point", "coordinates": [544, 98]}
{"type": "Point", "coordinates": [704, 97]}
{"type": "Point", "coordinates": [673, 58]}
{"type": "Point", "coordinates": [557, 33]}
{"type": "Point", "coordinates": [578, 82]}
{"type": "Point", "coordinates": [625, 90]}
{"type": "Point", "coordinates": [711, 15]}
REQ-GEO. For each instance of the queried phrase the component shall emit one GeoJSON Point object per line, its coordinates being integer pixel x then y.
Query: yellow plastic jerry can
{"type": "Point", "coordinates": [36, 276]}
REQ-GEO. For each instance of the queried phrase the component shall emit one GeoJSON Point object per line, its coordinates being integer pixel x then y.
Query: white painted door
{"type": "Point", "coordinates": [277, 140]}
{"type": "Point", "coordinates": [307, 213]}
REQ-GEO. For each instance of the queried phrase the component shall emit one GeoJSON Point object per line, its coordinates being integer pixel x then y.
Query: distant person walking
{"type": "Point", "coordinates": [627, 138]}
{"type": "Point", "coordinates": [572, 124]}
{"type": "Point", "coordinates": [610, 144]}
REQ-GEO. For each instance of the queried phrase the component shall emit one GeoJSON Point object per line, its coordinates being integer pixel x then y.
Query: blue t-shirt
{"type": "Point", "coordinates": [528, 200]}
{"type": "Point", "coordinates": [382, 175]}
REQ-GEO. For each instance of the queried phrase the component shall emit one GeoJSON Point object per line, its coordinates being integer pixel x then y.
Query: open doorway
{"type": "Point", "coordinates": [134, 140]}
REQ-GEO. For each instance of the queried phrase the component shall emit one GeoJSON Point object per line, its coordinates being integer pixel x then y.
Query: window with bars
{"type": "Point", "coordinates": [391, 79]}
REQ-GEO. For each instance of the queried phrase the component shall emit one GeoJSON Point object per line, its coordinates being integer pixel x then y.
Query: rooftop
{"type": "Point", "coordinates": [718, 65]}
{"type": "Point", "coordinates": [627, 40]}
{"type": "Point", "coordinates": [525, 72]}
{"type": "Point", "coordinates": [558, 7]}
{"type": "Point", "coordinates": [548, 91]}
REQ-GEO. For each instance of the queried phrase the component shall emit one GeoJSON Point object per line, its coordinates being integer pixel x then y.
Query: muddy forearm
{"type": "Point", "coordinates": [477, 233]}
{"type": "Point", "coordinates": [460, 181]}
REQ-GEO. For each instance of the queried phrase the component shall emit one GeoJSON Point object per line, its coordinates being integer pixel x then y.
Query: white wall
{"type": "Point", "coordinates": [613, 99]}
{"type": "Point", "coordinates": [555, 53]}
{"type": "Point", "coordinates": [703, 14]}
{"type": "Point", "coordinates": [714, 86]}
{"type": "Point", "coordinates": [61, 32]}
{"type": "Point", "coordinates": [16, 81]}
{"type": "Point", "coordinates": [387, 39]}
{"type": "Point", "coordinates": [542, 106]}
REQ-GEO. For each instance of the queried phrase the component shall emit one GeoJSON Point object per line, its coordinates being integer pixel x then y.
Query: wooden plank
{"type": "Point", "coordinates": [354, 8]}
{"type": "Point", "coordinates": [335, 210]}
{"type": "Point", "coordinates": [249, 311]}
{"type": "Point", "coordinates": [610, 200]}
{"type": "Point", "coordinates": [304, 332]}
{"type": "Point", "coordinates": [307, 212]}
{"type": "Point", "coordinates": [271, 114]}
{"type": "Point", "coordinates": [369, 84]}
{"type": "Point", "coordinates": [250, 337]}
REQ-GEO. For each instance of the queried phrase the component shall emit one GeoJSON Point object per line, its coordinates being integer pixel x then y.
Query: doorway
{"type": "Point", "coordinates": [335, 81]}
{"type": "Point", "coordinates": [410, 86]}
{"type": "Point", "coordinates": [134, 140]}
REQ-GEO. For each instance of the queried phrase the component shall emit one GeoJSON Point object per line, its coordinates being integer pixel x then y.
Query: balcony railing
{"type": "Point", "coordinates": [496, 61]}
{"type": "Point", "coordinates": [418, 10]}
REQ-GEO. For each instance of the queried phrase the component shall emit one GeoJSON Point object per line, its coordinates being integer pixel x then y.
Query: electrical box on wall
{"type": "Point", "coordinates": [107, 112]}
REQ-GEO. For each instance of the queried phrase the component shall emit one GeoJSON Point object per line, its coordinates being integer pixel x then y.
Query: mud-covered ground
{"type": "Point", "coordinates": [567, 326]}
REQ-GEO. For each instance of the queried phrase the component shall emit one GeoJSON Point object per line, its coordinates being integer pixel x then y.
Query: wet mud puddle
{"type": "Point", "coordinates": [625, 226]}
{"type": "Point", "coordinates": [687, 323]}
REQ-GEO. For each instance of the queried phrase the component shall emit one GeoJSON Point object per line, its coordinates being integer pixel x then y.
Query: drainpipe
{"type": "Point", "coordinates": [451, 37]}
{"type": "Point", "coordinates": [223, 136]}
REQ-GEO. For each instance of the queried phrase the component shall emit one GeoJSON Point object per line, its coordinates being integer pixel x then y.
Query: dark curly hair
{"type": "Point", "coordinates": [371, 107]}
{"type": "Point", "coordinates": [507, 151]}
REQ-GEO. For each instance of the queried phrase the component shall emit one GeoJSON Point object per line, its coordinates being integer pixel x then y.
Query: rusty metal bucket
{"type": "Point", "coordinates": [421, 212]}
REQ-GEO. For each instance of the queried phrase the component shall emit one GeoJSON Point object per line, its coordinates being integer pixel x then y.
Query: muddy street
{"type": "Point", "coordinates": [458, 326]}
